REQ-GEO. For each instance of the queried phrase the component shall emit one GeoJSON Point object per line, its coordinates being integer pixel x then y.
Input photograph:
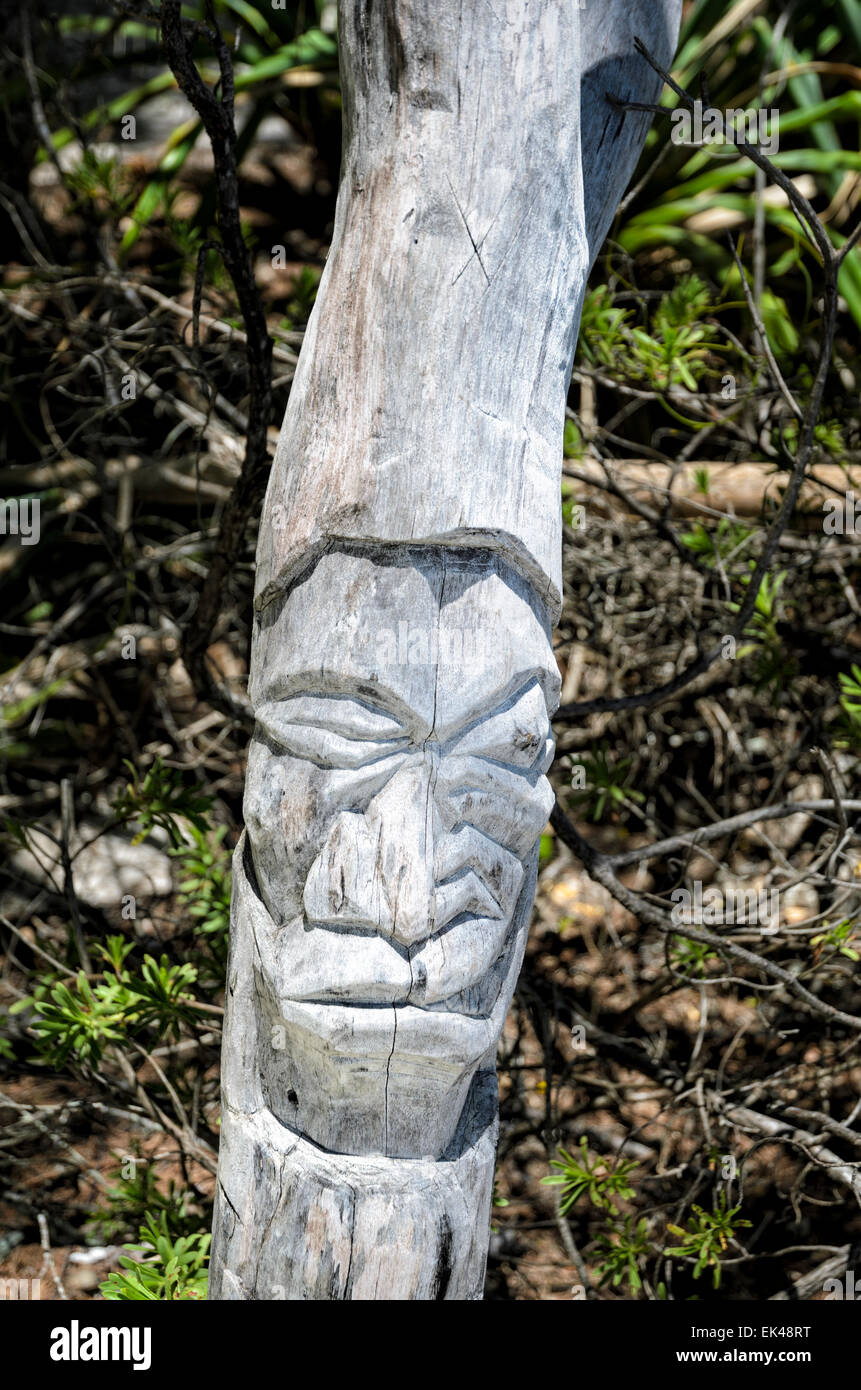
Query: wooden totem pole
{"type": "Point", "coordinates": [403, 678]}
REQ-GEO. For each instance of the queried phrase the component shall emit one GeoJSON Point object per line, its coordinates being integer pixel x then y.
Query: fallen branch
{"type": "Point", "coordinates": [602, 869]}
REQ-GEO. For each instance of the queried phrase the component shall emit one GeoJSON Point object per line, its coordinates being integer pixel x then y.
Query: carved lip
{"type": "Point", "coordinates": [430, 1037]}
{"type": "Point", "coordinates": [367, 970]}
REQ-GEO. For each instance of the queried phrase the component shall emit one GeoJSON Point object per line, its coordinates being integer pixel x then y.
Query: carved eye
{"type": "Point", "coordinates": [332, 730]}
{"type": "Point", "coordinates": [517, 735]}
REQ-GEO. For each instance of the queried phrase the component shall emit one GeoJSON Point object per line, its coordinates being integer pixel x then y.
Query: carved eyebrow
{"type": "Point", "coordinates": [329, 696]}
{"type": "Point", "coordinates": [346, 715]}
{"type": "Point", "coordinates": [449, 725]}
{"type": "Point", "coordinates": [332, 731]}
{"type": "Point", "coordinates": [516, 735]}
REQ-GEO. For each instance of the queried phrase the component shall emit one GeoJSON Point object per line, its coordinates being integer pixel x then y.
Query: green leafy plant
{"type": "Point", "coordinates": [606, 787]}
{"type": "Point", "coordinates": [498, 1200]}
{"type": "Point", "coordinates": [772, 666]}
{"type": "Point", "coordinates": [719, 544]}
{"type": "Point", "coordinates": [624, 1241]}
{"type": "Point", "coordinates": [160, 797]}
{"type": "Point", "coordinates": [205, 890]}
{"type": "Point", "coordinates": [828, 435]}
{"type": "Point", "coordinates": [850, 702]}
{"type": "Point", "coordinates": [76, 1022]}
{"type": "Point", "coordinates": [167, 1268]}
{"type": "Point", "coordinates": [572, 510]}
{"type": "Point", "coordinates": [263, 54]}
{"type": "Point", "coordinates": [301, 301]}
{"type": "Point", "coordinates": [691, 958]}
{"type": "Point", "coordinates": [101, 180]}
{"type": "Point", "coordinates": [579, 1176]}
{"type": "Point", "coordinates": [77, 1019]}
{"type": "Point", "coordinates": [572, 441]}
{"type": "Point", "coordinates": [706, 1236]}
{"type": "Point", "coordinates": [138, 1197]}
{"type": "Point", "coordinates": [818, 142]}
{"type": "Point", "coordinates": [838, 940]}
{"type": "Point", "coordinates": [619, 1250]}
{"type": "Point", "coordinates": [676, 350]}
{"type": "Point", "coordinates": [547, 850]}
{"type": "Point", "coordinates": [671, 348]}
{"type": "Point", "coordinates": [602, 326]}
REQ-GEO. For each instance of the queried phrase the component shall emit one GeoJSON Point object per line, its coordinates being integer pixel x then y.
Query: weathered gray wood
{"type": "Point", "coordinates": [611, 141]}
{"type": "Point", "coordinates": [402, 676]}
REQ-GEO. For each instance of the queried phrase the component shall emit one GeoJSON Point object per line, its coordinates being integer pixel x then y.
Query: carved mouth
{"type": "Point", "coordinates": [382, 1059]}
{"type": "Point", "coordinates": [424, 1037]}
{"type": "Point", "coordinates": [457, 969]}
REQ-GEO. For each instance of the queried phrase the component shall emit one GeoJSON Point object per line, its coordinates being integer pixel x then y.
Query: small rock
{"type": "Point", "coordinates": [106, 869]}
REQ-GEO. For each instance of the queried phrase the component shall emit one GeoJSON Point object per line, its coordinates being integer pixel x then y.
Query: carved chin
{"type": "Point", "coordinates": [390, 1081]}
{"type": "Point", "coordinates": [372, 1077]}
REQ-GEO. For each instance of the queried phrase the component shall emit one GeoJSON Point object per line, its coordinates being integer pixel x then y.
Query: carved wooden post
{"type": "Point", "coordinates": [402, 671]}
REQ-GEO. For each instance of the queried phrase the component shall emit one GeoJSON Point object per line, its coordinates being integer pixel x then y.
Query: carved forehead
{"type": "Point", "coordinates": [442, 635]}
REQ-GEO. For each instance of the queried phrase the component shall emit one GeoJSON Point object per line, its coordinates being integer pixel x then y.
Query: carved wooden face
{"type": "Point", "coordinates": [400, 752]}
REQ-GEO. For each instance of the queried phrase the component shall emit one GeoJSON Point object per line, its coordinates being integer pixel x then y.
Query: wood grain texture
{"type": "Point", "coordinates": [296, 1223]}
{"type": "Point", "coordinates": [432, 381]}
{"type": "Point", "coordinates": [402, 671]}
{"type": "Point", "coordinates": [611, 141]}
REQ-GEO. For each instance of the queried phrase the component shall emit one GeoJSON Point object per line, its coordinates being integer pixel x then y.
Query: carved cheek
{"type": "Point", "coordinates": [474, 875]}
{"type": "Point", "coordinates": [344, 885]}
{"type": "Point", "coordinates": [509, 807]}
{"type": "Point", "coordinates": [282, 841]}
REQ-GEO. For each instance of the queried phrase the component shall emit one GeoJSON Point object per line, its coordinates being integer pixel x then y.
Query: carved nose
{"type": "Point", "coordinates": [376, 870]}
